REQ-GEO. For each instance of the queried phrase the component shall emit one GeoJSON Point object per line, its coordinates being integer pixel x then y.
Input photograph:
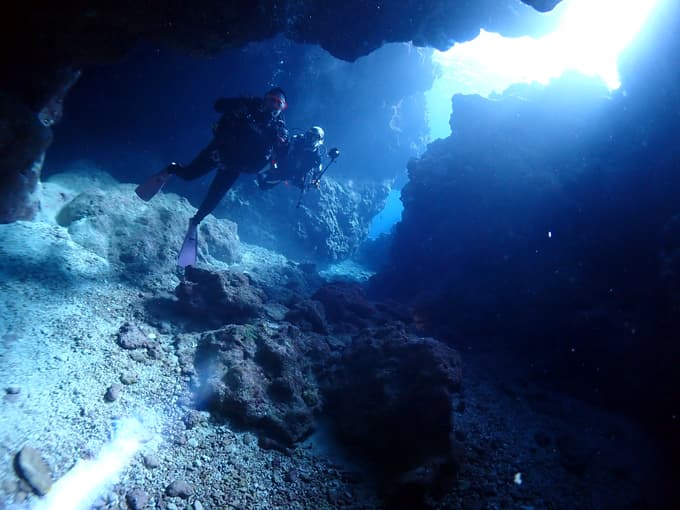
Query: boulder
{"type": "Point", "coordinates": [219, 298]}
{"type": "Point", "coordinates": [346, 305]}
{"type": "Point", "coordinates": [308, 315]}
{"type": "Point", "coordinates": [390, 396]}
{"type": "Point", "coordinates": [259, 380]}
{"type": "Point", "coordinates": [46, 253]}
{"type": "Point", "coordinates": [141, 239]}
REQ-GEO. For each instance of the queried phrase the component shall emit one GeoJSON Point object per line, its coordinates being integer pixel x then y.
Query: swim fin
{"type": "Point", "coordinates": [187, 255]}
{"type": "Point", "coordinates": [148, 189]}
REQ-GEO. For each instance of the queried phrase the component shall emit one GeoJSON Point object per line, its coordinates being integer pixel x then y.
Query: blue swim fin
{"type": "Point", "coordinates": [148, 189]}
{"type": "Point", "coordinates": [187, 255]}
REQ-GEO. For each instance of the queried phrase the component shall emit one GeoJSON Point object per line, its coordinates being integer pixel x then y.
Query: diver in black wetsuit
{"type": "Point", "coordinates": [300, 165]}
{"type": "Point", "coordinates": [248, 135]}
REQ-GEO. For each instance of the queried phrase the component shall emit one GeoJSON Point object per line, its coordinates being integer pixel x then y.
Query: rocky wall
{"type": "Point", "coordinates": [543, 226]}
{"type": "Point", "coordinates": [329, 224]}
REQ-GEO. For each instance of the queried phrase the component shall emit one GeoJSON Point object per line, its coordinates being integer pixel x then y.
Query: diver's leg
{"type": "Point", "coordinates": [148, 189]}
{"type": "Point", "coordinates": [219, 187]}
{"type": "Point", "coordinates": [206, 161]}
{"type": "Point", "coordinates": [224, 180]}
{"type": "Point", "coordinates": [188, 253]}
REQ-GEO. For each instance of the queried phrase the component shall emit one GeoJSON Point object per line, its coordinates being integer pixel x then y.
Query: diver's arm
{"type": "Point", "coordinates": [279, 137]}
{"type": "Point", "coordinates": [227, 104]}
{"type": "Point", "coordinates": [316, 171]}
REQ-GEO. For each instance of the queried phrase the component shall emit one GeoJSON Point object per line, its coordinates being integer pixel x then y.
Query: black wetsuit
{"type": "Point", "coordinates": [299, 165]}
{"type": "Point", "coordinates": [245, 139]}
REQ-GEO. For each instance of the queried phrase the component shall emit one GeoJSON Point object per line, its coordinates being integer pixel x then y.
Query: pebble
{"type": "Point", "coordinates": [198, 505]}
{"type": "Point", "coordinates": [171, 506]}
{"type": "Point", "coordinates": [179, 488]}
{"type": "Point", "coordinates": [192, 419]}
{"type": "Point", "coordinates": [113, 393]}
{"type": "Point", "coordinates": [34, 470]}
{"type": "Point", "coordinates": [9, 486]}
{"type": "Point", "coordinates": [151, 461]}
{"type": "Point", "coordinates": [138, 356]}
{"type": "Point", "coordinates": [137, 499]}
{"type": "Point", "coordinates": [129, 378]}
{"type": "Point", "coordinates": [12, 397]}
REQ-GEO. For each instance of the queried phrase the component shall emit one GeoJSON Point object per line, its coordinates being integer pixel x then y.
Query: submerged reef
{"type": "Point", "coordinates": [328, 226]}
{"type": "Point", "coordinates": [248, 341]}
{"type": "Point", "coordinates": [255, 383]}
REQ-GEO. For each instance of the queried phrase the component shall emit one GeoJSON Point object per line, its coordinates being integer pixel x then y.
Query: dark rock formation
{"type": "Point", "coordinates": [542, 221]}
{"type": "Point", "coordinates": [669, 271]}
{"type": "Point", "coordinates": [390, 396]}
{"type": "Point", "coordinates": [543, 5]}
{"type": "Point", "coordinates": [42, 48]}
{"type": "Point", "coordinates": [328, 226]}
{"type": "Point", "coordinates": [347, 306]}
{"type": "Point", "coordinates": [280, 279]}
{"type": "Point", "coordinates": [130, 337]}
{"type": "Point", "coordinates": [23, 141]}
{"type": "Point", "coordinates": [218, 298]}
{"type": "Point", "coordinates": [388, 391]}
{"type": "Point", "coordinates": [308, 315]}
{"type": "Point", "coordinates": [258, 379]}
{"type": "Point", "coordinates": [433, 23]}
{"type": "Point", "coordinates": [25, 135]}
{"type": "Point", "coordinates": [347, 309]}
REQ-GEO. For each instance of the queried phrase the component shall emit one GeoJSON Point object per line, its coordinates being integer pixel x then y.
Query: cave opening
{"type": "Point", "coordinates": [584, 36]}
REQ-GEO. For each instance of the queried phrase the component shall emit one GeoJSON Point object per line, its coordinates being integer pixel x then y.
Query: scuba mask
{"type": "Point", "coordinates": [275, 102]}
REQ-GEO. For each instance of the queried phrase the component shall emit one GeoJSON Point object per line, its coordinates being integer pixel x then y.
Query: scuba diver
{"type": "Point", "coordinates": [301, 165]}
{"type": "Point", "coordinates": [250, 132]}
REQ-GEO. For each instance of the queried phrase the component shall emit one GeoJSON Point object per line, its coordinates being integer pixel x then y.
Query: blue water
{"type": "Point", "coordinates": [390, 215]}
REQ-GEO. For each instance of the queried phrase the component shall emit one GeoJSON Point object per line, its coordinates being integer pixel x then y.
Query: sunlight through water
{"type": "Point", "coordinates": [589, 37]}
{"type": "Point", "coordinates": [78, 489]}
